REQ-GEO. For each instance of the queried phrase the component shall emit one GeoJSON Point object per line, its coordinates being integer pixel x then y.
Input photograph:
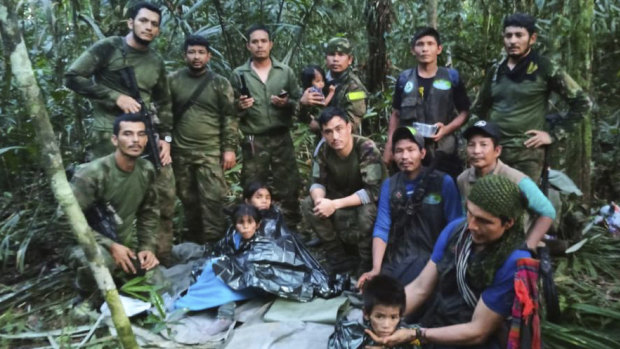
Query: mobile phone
{"type": "Point", "coordinates": [283, 94]}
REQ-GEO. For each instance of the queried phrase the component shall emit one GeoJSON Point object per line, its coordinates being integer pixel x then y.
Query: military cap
{"type": "Point", "coordinates": [339, 45]}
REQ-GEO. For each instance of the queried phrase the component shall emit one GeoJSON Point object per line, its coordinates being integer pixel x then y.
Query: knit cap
{"type": "Point", "coordinates": [498, 195]}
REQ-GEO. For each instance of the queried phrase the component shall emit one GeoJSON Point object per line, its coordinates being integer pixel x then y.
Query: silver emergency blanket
{"type": "Point", "coordinates": [275, 261]}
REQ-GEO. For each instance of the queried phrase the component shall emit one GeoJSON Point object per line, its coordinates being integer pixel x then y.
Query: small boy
{"type": "Point", "coordinates": [384, 305]}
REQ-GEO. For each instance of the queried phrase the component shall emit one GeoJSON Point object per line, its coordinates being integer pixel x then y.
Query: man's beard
{"type": "Point", "coordinates": [523, 55]}
{"type": "Point", "coordinates": [140, 40]}
{"type": "Point", "coordinates": [197, 70]}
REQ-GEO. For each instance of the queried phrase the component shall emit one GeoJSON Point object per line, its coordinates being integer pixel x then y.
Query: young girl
{"type": "Point", "coordinates": [209, 290]}
{"type": "Point", "coordinates": [313, 76]}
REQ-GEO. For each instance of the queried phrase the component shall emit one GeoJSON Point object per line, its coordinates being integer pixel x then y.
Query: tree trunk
{"type": "Point", "coordinates": [21, 67]}
{"type": "Point", "coordinates": [431, 13]}
{"type": "Point", "coordinates": [579, 66]}
{"type": "Point", "coordinates": [379, 20]}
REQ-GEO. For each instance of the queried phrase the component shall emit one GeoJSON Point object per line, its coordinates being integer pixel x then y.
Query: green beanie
{"type": "Point", "coordinates": [499, 196]}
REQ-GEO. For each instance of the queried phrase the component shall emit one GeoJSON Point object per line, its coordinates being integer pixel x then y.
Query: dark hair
{"type": "Point", "coordinates": [252, 188]}
{"type": "Point", "coordinates": [133, 11]}
{"type": "Point", "coordinates": [522, 20]}
{"type": "Point", "coordinates": [125, 118]}
{"type": "Point", "coordinates": [255, 27]}
{"type": "Point", "coordinates": [307, 75]}
{"type": "Point", "coordinates": [383, 290]}
{"type": "Point", "coordinates": [331, 112]}
{"type": "Point", "coordinates": [196, 40]}
{"type": "Point", "coordinates": [426, 31]}
{"type": "Point", "coordinates": [242, 210]}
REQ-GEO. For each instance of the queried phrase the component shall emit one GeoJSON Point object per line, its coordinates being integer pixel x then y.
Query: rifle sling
{"type": "Point", "coordinates": [192, 99]}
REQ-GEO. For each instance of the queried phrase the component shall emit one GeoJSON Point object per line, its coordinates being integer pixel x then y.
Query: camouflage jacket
{"type": "Point", "coordinates": [517, 99]}
{"type": "Point", "coordinates": [361, 172]}
{"type": "Point", "coordinates": [210, 123]}
{"type": "Point", "coordinates": [132, 196]}
{"type": "Point", "coordinates": [95, 75]}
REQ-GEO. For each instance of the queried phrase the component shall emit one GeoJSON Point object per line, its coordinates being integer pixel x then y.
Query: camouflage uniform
{"type": "Point", "coordinates": [133, 197]}
{"type": "Point", "coordinates": [204, 131]}
{"type": "Point", "coordinates": [103, 61]}
{"type": "Point", "coordinates": [267, 146]}
{"type": "Point", "coordinates": [517, 101]}
{"type": "Point", "coordinates": [350, 94]}
{"type": "Point", "coordinates": [361, 173]}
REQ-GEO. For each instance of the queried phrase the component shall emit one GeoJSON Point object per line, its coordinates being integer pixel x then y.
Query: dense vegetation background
{"type": "Point", "coordinates": [582, 35]}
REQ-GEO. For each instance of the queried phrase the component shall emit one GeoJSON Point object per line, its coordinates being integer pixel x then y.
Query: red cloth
{"type": "Point", "coordinates": [525, 324]}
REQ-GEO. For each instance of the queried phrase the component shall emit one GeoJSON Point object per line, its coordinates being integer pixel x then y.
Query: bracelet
{"type": "Point", "coordinates": [417, 333]}
{"type": "Point", "coordinates": [423, 337]}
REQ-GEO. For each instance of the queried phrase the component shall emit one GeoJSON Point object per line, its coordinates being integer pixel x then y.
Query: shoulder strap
{"type": "Point", "coordinates": [192, 99]}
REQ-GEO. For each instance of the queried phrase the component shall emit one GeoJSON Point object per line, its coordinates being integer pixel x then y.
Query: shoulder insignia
{"type": "Point", "coordinates": [356, 96]}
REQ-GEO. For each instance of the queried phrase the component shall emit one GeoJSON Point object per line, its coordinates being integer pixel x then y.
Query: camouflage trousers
{"type": "Point", "coordinates": [347, 232]}
{"type": "Point", "coordinates": [101, 145]}
{"type": "Point", "coordinates": [274, 155]}
{"type": "Point", "coordinates": [527, 160]}
{"type": "Point", "coordinates": [202, 189]}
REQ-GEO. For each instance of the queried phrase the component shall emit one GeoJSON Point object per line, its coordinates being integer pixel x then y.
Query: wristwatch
{"type": "Point", "coordinates": [168, 139]}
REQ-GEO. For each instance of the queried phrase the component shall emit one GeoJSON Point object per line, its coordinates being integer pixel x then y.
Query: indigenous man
{"type": "Point", "coordinates": [346, 176]}
{"type": "Point", "coordinates": [471, 272]}
{"type": "Point", "coordinates": [267, 95]}
{"type": "Point", "coordinates": [123, 181]}
{"type": "Point", "coordinates": [434, 95]}
{"type": "Point", "coordinates": [515, 95]}
{"type": "Point", "coordinates": [95, 75]}
{"type": "Point", "coordinates": [483, 152]}
{"type": "Point", "coordinates": [350, 94]}
{"type": "Point", "coordinates": [204, 142]}
{"type": "Point", "coordinates": [415, 205]}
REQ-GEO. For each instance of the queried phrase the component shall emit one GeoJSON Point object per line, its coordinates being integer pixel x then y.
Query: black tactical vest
{"type": "Point", "coordinates": [415, 225]}
{"type": "Point", "coordinates": [439, 105]}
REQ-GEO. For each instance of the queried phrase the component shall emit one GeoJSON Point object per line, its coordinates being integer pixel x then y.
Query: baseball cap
{"type": "Point", "coordinates": [483, 127]}
{"type": "Point", "coordinates": [408, 132]}
{"type": "Point", "coordinates": [339, 45]}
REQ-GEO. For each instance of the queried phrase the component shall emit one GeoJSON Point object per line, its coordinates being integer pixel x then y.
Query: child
{"type": "Point", "coordinates": [313, 77]}
{"type": "Point", "coordinates": [209, 290]}
{"type": "Point", "coordinates": [384, 305]}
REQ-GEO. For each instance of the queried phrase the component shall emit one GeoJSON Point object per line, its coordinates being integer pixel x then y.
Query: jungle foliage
{"type": "Point", "coordinates": [582, 35]}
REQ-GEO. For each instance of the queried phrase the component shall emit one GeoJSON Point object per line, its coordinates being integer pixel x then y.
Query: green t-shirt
{"type": "Point", "coordinates": [263, 116]}
{"type": "Point", "coordinates": [95, 75]}
{"type": "Point", "coordinates": [210, 123]}
{"type": "Point", "coordinates": [131, 194]}
{"type": "Point", "coordinates": [361, 171]}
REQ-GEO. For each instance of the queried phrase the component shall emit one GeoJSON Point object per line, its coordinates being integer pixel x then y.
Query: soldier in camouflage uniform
{"type": "Point", "coordinates": [350, 95]}
{"type": "Point", "coordinates": [265, 117]}
{"type": "Point", "coordinates": [204, 142]}
{"type": "Point", "coordinates": [125, 181]}
{"type": "Point", "coordinates": [95, 75]}
{"type": "Point", "coordinates": [342, 206]}
{"type": "Point", "coordinates": [516, 93]}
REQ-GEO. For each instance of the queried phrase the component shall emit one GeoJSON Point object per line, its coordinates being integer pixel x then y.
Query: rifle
{"type": "Point", "coordinates": [245, 91]}
{"type": "Point", "coordinates": [152, 147]}
{"type": "Point", "coordinates": [103, 219]}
